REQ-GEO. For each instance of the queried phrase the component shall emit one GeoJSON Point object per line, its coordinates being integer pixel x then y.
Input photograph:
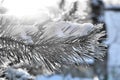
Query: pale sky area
{"type": "Point", "coordinates": [30, 7]}
{"type": "Point", "coordinates": [27, 7]}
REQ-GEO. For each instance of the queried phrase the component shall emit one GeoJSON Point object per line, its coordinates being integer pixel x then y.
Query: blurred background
{"type": "Point", "coordinates": [106, 12]}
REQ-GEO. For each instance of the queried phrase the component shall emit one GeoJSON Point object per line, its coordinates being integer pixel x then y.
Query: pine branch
{"type": "Point", "coordinates": [50, 49]}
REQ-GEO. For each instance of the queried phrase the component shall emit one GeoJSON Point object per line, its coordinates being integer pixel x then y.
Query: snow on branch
{"type": "Point", "coordinates": [54, 44]}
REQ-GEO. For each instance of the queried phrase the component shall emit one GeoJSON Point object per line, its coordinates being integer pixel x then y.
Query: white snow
{"type": "Point", "coordinates": [66, 29]}
{"type": "Point", "coordinates": [17, 74]}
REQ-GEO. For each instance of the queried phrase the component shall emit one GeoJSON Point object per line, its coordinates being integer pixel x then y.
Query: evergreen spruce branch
{"type": "Point", "coordinates": [54, 51]}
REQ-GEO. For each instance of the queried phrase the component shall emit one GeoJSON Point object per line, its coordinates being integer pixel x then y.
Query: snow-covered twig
{"type": "Point", "coordinates": [50, 42]}
{"type": "Point", "coordinates": [55, 44]}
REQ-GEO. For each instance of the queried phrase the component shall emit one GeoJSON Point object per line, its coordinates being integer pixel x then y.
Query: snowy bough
{"type": "Point", "coordinates": [53, 43]}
